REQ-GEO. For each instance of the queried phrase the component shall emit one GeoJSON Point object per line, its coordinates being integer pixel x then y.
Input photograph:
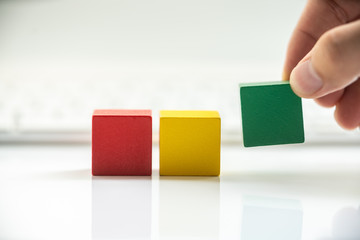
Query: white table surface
{"type": "Point", "coordinates": [308, 191]}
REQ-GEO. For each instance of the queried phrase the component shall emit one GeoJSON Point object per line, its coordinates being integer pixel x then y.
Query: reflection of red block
{"type": "Point", "coordinates": [121, 142]}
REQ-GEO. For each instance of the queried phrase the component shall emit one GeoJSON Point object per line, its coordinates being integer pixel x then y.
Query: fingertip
{"type": "Point", "coordinates": [347, 112]}
{"type": "Point", "coordinates": [304, 81]}
{"type": "Point", "coordinates": [344, 121]}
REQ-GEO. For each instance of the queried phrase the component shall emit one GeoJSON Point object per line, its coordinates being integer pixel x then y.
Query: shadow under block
{"type": "Point", "coordinates": [121, 142]}
{"type": "Point", "coordinates": [271, 114]}
{"type": "Point", "coordinates": [190, 143]}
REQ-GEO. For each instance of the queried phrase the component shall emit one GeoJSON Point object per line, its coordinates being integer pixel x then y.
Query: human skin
{"type": "Point", "coordinates": [323, 57]}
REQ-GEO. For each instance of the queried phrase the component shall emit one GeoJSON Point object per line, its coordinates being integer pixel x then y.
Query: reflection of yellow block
{"type": "Point", "coordinates": [190, 143]}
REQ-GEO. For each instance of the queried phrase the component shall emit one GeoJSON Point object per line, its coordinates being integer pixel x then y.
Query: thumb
{"type": "Point", "coordinates": [333, 63]}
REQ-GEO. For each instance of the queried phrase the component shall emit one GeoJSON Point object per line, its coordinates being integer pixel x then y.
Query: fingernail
{"type": "Point", "coordinates": [304, 80]}
{"type": "Point", "coordinates": [285, 76]}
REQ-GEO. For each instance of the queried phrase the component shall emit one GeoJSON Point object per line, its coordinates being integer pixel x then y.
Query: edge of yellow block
{"type": "Point", "coordinates": [188, 114]}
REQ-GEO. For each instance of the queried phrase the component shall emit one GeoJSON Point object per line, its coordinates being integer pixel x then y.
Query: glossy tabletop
{"type": "Point", "coordinates": [307, 191]}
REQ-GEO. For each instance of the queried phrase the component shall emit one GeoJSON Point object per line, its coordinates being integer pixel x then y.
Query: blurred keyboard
{"type": "Point", "coordinates": [55, 104]}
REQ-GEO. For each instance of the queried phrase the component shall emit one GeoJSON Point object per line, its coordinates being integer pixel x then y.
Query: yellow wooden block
{"type": "Point", "coordinates": [190, 143]}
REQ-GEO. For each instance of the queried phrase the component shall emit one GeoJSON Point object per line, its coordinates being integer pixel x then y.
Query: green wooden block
{"type": "Point", "coordinates": [271, 114]}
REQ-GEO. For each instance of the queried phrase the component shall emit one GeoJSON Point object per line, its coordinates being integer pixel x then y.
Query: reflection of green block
{"type": "Point", "coordinates": [271, 114]}
{"type": "Point", "coordinates": [271, 218]}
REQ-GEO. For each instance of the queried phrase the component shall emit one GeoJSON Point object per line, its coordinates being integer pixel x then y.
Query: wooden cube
{"type": "Point", "coordinates": [190, 143]}
{"type": "Point", "coordinates": [121, 142]}
{"type": "Point", "coordinates": [271, 114]}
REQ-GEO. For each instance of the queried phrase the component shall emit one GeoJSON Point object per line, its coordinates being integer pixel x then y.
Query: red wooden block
{"type": "Point", "coordinates": [121, 142]}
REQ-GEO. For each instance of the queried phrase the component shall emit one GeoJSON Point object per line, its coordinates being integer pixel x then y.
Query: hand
{"type": "Point", "coordinates": [323, 57]}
